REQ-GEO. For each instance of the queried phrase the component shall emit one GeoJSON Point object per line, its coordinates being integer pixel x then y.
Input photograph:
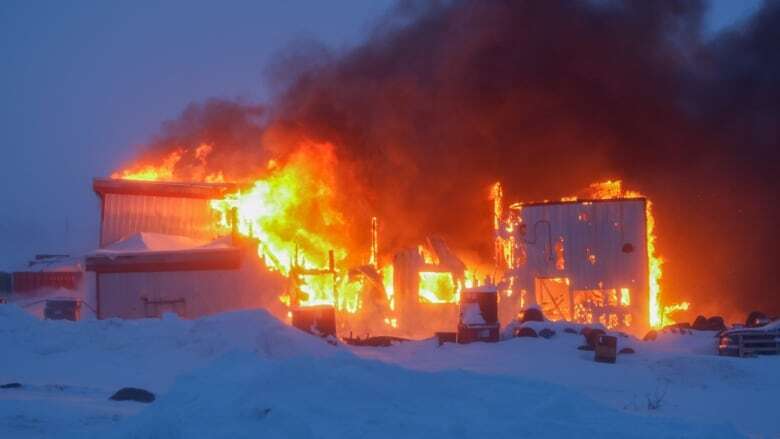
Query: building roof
{"type": "Point", "coordinates": [577, 201]}
{"type": "Point", "coordinates": [154, 252]}
{"type": "Point", "coordinates": [103, 186]}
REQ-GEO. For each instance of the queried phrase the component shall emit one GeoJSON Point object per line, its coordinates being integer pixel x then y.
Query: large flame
{"type": "Point", "coordinates": [657, 315]}
{"type": "Point", "coordinates": [150, 172]}
{"type": "Point", "coordinates": [291, 211]}
{"type": "Point", "coordinates": [438, 287]}
{"type": "Point", "coordinates": [166, 169]}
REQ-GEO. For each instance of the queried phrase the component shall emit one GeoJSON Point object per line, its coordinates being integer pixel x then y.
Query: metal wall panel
{"type": "Point", "coordinates": [190, 294]}
{"type": "Point", "coordinates": [604, 229]}
{"type": "Point", "coordinates": [125, 214]}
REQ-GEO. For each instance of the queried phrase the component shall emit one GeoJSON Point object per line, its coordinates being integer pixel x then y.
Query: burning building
{"type": "Point", "coordinates": [175, 240]}
{"type": "Point", "coordinates": [162, 249]}
{"type": "Point", "coordinates": [589, 260]}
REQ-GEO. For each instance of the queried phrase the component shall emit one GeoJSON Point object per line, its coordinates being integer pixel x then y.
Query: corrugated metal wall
{"type": "Point", "coordinates": [190, 294]}
{"type": "Point", "coordinates": [124, 215]}
{"type": "Point", "coordinates": [602, 229]}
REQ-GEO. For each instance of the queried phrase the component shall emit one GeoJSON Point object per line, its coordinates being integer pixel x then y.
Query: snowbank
{"type": "Point", "coordinates": [111, 352]}
{"type": "Point", "coordinates": [246, 374]}
{"type": "Point", "coordinates": [683, 371]}
{"type": "Point", "coordinates": [345, 397]}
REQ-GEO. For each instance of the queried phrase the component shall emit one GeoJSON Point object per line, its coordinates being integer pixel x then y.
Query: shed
{"type": "Point", "coordinates": [47, 273]}
{"type": "Point", "coordinates": [147, 275]}
{"type": "Point", "coordinates": [162, 249]}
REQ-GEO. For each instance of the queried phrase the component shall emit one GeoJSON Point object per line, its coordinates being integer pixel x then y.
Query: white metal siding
{"type": "Point", "coordinates": [598, 228]}
{"type": "Point", "coordinates": [204, 292]}
{"type": "Point", "coordinates": [124, 215]}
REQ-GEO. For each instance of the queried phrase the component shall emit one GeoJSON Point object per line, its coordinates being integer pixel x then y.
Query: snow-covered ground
{"type": "Point", "coordinates": [245, 374]}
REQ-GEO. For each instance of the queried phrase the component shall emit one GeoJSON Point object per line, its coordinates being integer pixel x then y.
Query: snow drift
{"type": "Point", "coordinates": [246, 374]}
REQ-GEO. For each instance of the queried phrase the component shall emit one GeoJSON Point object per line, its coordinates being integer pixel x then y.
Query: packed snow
{"type": "Point", "coordinates": [246, 374]}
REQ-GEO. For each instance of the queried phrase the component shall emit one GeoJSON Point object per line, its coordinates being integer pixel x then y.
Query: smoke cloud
{"type": "Point", "coordinates": [444, 98]}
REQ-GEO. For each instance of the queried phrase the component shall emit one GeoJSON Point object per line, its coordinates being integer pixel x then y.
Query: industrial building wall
{"type": "Point", "coordinates": [125, 214]}
{"type": "Point", "coordinates": [604, 243]}
{"type": "Point", "coordinates": [190, 294]}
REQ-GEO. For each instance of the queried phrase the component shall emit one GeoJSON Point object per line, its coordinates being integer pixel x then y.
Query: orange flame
{"type": "Point", "coordinates": [162, 172]}
{"type": "Point", "coordinates": [166, 170]}
{"type": "Point", "coordinates": [291, 212]}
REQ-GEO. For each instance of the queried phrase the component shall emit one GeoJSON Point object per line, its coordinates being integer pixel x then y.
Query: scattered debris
{"type": "Point", "coordinates": [525, 332]}
{"type": "Point", "coordinates": [446, 337]}
{"type": "Point", "coordinates": [546, 333]}
{"type": "Point", "coordinates": [714, 323]}
{"type": "Point", "coordinates": [651, 336]}
{"type": "Point", "coordinates": [592, 335]}
{"type": "Point", "coordinates": [133, 394]}
{"type": "Point", "coordinates": [378, 341]}
{"type": "Point", "coordinates": [606, 349]}
{"type": "Point", "coordinates": [316, 320]}
{"type": "Point", "coordinates": [532, 314]}
{"type": "Point", "coordinates": [627, 351]}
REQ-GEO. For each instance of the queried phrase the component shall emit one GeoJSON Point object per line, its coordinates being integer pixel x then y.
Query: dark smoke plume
{"type": "Point", "coordinates": [445, 98]}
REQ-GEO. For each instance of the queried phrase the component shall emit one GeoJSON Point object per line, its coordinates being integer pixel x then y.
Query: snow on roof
{"type": "Point", "coordinates": [144, 242]}
{"type": "Point", "coordinates": [45, 263]}
{"type": "Point", "coordinates": [771, 326]}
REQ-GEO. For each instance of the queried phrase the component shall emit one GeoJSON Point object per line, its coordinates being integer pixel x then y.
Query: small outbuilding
{"type": "Point", "coordinates": [163, 250]}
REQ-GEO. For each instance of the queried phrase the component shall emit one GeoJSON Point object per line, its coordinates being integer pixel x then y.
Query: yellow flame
{"type": "Point", "coordinates": [625, 297]}
{"type": "Point", "coordinates": [287, 211]}
{"type": "Point", "coordinates": [670, 309]}
{"type": "Point", "coordinates": [438, 287]}
{"type": "Point", "coordinates": [387, 280]}
{"type": "Point", "coordinates": [162, 172]}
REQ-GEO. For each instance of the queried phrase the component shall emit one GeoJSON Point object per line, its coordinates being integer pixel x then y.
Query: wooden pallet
{"type": "Point", "coordinates": [749, 343]}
